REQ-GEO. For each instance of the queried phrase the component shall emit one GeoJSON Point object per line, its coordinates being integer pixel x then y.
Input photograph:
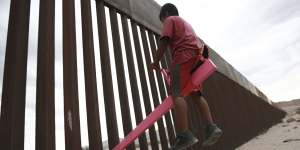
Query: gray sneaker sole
{"type": "Point", "coordinates": [186, 146]}
{"type": "Point", "coordinates": [213, 139]}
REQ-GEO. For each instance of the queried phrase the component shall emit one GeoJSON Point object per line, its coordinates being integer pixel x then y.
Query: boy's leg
{"type": "Point", "coordinates": [212, 131]}
{"type": "Point", "coordinates": [180, 112]}
{"type": "Point", "coordinates": [180, 109]}
{"type": "Point", "coordinates": [184, 138]}
{"type": "Point", "coordinates": [203, 107]}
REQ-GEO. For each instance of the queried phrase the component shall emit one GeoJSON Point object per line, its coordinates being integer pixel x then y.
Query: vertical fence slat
{"type": "Point", "coordinates": [14, 79]}
{"type": "Point", "coordinates": [109, 102]}
{"type": "Point", "coordinates": [145, 92]}
{"type": "Point", "coordinates": [162, 91]}
{"type": "Point", "coordinates": [45, 104]}
{"type": "Point", "coordinates": [123, 95]}
{"type": "Point", "coordinates": [133, 81]}
{"type": "Point", "coordinates": [161, 128]}
{"type": "Point", "coordinates": [71, 106]}
{"type": "Point", "coordinates": [92, 106]}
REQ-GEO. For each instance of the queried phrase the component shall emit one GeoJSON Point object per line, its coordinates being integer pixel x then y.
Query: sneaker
{"type": "Point", "coordinates": [212, 135]}
{"type": "Point", "coordinates": [184, 140]}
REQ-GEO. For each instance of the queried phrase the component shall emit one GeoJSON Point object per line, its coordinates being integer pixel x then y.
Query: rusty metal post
{"type": "Point", "coordinates": [113, 135]}
{"type": "Point", "coordinates": [160, 122]}
{"type": "Point", "coordinates": [71, 106]}
{"type": "Point", "coordinates": [45, 103]}
{"type": "Point", "coordinates": [133, 81]}
{"type": "Point", "coordinates": [92, 106]}
{"type": "Point", "coordinates": [14, 78]}
{"type": "Point", "coordinates": [123, 95]}
{"type": "Point", "coordinates": [162, 91]}
{"type": "Point", "coordinates": [145, 91]}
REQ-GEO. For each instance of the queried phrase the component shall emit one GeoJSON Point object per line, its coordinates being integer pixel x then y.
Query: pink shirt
{"type": "Point", "coordinates": [183, 40]}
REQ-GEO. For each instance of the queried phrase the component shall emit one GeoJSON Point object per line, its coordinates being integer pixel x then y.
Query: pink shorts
{"type": "Point", "coordinates": [181, 74]}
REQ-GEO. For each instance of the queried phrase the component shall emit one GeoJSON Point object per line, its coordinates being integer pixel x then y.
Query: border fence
{"type": "Point", "coordinates": [241, 110]}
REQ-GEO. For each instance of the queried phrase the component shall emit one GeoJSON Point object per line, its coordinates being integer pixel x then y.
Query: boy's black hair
{"type": "Point", "coordinates": [168, 9]}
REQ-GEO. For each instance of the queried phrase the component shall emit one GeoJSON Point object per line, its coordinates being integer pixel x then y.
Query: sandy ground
{"type": "Point", "coordinates": [283, 136]}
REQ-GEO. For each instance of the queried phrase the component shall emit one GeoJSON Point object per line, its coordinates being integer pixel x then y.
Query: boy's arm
{"type": "Point", "coordinates": [162, 47]}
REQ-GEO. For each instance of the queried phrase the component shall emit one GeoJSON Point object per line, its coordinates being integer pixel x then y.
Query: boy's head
{"type": "Point", "coordinates": [167, 10]}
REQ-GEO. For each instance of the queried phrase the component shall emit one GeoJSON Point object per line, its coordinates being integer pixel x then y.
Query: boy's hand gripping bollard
{"type": "Point", "coordinates": [199, 76]}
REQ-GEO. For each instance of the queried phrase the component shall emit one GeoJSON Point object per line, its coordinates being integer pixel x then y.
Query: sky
{"type": "Point", "coordinates": [260, 38]}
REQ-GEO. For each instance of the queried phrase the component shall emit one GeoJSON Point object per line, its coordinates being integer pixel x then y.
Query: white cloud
{"type": "Point", "coordinates": [285, 88]}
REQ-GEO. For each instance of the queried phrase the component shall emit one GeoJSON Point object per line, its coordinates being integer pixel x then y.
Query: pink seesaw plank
{"type": "Point", "coordinates": [199, 76]}
{"type": "Point", "coordinates": [203, 72]}
{"type": "Point", "coordinates": [164, 107]}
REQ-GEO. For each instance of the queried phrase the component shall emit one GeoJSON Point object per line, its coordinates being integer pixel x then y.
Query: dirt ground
{"type": "Point", "coordinates": [283, 136]}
